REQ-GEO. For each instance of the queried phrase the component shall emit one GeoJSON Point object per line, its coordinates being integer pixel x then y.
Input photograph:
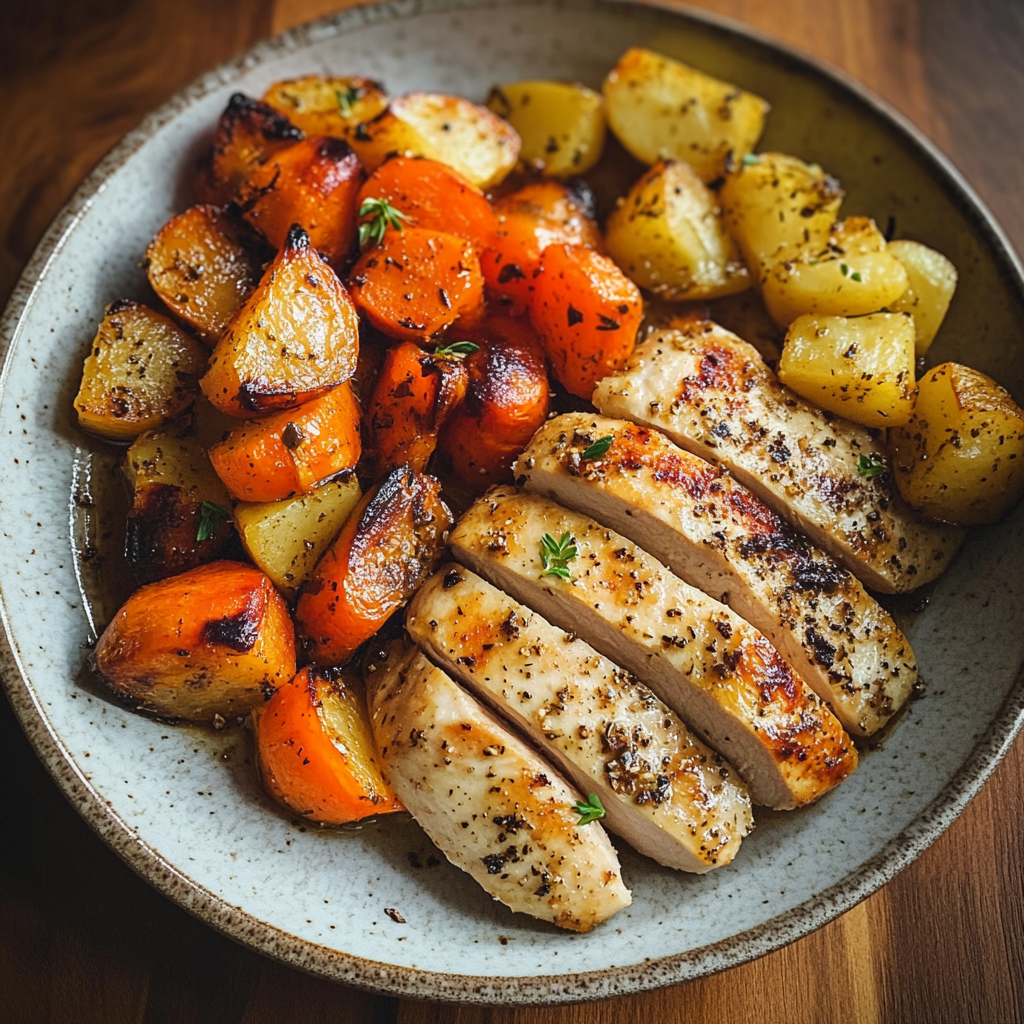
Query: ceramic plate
{"type": "Point", "coordinates": [181, 804]}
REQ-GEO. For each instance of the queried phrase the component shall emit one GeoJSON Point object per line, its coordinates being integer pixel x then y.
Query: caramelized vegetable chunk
{"type": "Point", "coordinates": [213, 641]}
{"type": "Point", "coordinates": [142, 370]}
{"type": "Point", "coordinates": [203, 264]}
{"type": "Point", "coordinates": [417, 282]}
{"type": "Point", "coordinates": [291, 452]}
{"type": "Point", "coordinates": [390, 545]}
{"type": "Point", "coordinates": [315, 749]}
{"type": "Point", "coordinates": [587, 313]}
{"type": "Point", "coordinates": [294, 339]}
{"type": "Point", "coordinates": [415, 393]}
{"type": "Point", "coordinates": [328, 105]}
{"type": "Point", "coordinates": [313, 183]}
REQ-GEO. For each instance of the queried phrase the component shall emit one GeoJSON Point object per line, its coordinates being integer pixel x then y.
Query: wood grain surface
{"type": "Point", "coordinates": [82, 939]}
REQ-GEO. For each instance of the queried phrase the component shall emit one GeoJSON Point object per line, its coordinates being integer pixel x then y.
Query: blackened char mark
{"type": "Point", "coordinates": [238, 632]}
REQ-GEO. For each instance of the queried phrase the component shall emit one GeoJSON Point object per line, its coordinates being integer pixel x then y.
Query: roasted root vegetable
{"type": "Point", "coordinates": [313, 183]}
{"type": "Point", "coordinates": [179, 517]}
{"type": "Point", "coordinates": [505, 403]}
{"type": "Point", "coordinates": [214, 641]}
{"type": "Point", "coordinates": [291, 452]}
{"type": "Point", "coordinates": [315, 749]}
{"type": "Point", "coordinates": [661, 109]}
{"type": "Point", "coordinates": [859, 367]}
{"type": "Point", "coordinates": [296, 337]}
{"type": "Point", "coordinates": [668, 236]}
{"type": "Point", "coordinates": [960, 458]}
{"type": "Point", "coordinates": [389, 546]}
{"type": "Point", "coordinates": [586, 312]}
{"type": "Point", "coordinates": [560, 125]}
{"type": "Point", "coordinates": [203, 264]}
{"type": "Point", "coordinates": [141, 371]}
{"type": "Point", "coordinates": [415, 393]}
{"type": "Point", "coordinates": [286, 538]}
{"type": "Point", "coordinates": [931, 281]}
{"type": "Point", "coordinates": [416, 282]}
{"type": "Point", "coordinates": [327, 105]}
{"type": "Point", "coordinates": [478, 144]}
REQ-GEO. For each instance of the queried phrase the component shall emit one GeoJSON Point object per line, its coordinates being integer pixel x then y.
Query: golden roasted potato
{"type": "Point", "coordinates": [661, 109]}
{"type": "Point", "coordinates": [859, 367]}
{"type": "Point", "coordinates": [142, 370]}
{"type": "Point", "coordinates": [286, 538]}
{"type": "Point", "coordinates": [561, 125]}
{"type": "Point", "coordinates": [931, 281]}
{"type": "Point", "coordinates": [478, 144]}
{"type": "Point", "coordinates": [852, 275]}
{"type": "Point", "coordinates": [775, 202]}
{"type": "Point", "coordinates": [296, 337]}
{"type": "Point", "coordinates": [180, 516]}
{"type": "Point", "coordinates": [327, 105]}
{"type": "Point", "coordinates": [960, 458]}
{"type": "Point", "coordinates": [667, 235]}
{"type": "Point", "coordinates": [216, 640]}
{"type": "Point", "coordinates": [203, 264]}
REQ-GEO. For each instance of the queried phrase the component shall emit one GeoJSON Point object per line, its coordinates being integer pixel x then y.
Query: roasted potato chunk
{"type": "Point", "coordinates": [286, 538]}
{"type": "Point", "coordinates": [931, 281]}
{"type": "Point", "coordinates": [859, 367]}
{"type": "Point", "coordinates": [203, 264]}
{"type": "Point", "coordinates": [478, 144]}
{"type": "Point", "coordinates": [661, 109]}
{"type": "Point", "coordinates": [327, 105]}
{"type": "Point", "coordinates": [216, 640]}
{"type": "Point", "coordinates": [561, 125]}
{"type": "Point", "coordinates": [960, 458]}
{"type": "Point", "coordinates": [142, 371]}
{"type": "Point", "coordinates": [668, 236]}
{"type": "Point", "coordinates": [296, 337]}
{"type": "Point", "coordinates": [179, 517]}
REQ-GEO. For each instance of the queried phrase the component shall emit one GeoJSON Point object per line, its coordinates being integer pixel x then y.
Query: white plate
{"type": "Point", "coordinates": [181, 805]}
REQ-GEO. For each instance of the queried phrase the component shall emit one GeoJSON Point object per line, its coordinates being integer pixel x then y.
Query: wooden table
{"type": "Point", "coordinates": [83, 939]}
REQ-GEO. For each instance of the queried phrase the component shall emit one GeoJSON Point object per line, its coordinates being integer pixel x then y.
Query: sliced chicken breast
{"type": "Point", "coordinates": [663, 790]}
{"type": "Point", "coordinates": [714, 534]}
{"type": "Point", "coordinates": [713, 395]}
{"type": "Point", "coordinates": [719, 673]}
{"type": "Point", "coordinates": [488, 802]}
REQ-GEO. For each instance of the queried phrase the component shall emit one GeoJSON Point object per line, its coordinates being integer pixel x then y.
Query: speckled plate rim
{"type": "Point", "coordinates": [389, 979]}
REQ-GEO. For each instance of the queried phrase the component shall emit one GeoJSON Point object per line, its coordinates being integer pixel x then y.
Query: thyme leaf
{"type": "Point", "coordinates": [589, 810]}
{"type": "Point", "coordinates": [382, 215]}
{"type": "Point", "coordinates": [555, 555]}
{"type": "Point", "coordinates": [457, 348]}
{"type": "Point", "coordinates": [346, 97]}
{"type": "Point", "coordinates": [211, 515]}
{"type": "Point", "coordinates": [598, 448]}
{"type": "Point", "coordinates": [870, 466]}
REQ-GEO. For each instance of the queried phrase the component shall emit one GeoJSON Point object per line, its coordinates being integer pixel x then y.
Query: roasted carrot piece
{"type": "Point", "coordinates": [417, 282]}
{"type": "Point", "coordinates": [415, 393]}
{"type": "Point", "coordinates": [216, 640]}
{"type": "Point", "coordinates": [505, 404]}
{"type": "Point", "coordinates": [293, 451]}
{"type": "Point", "coordinates": [315, 750]}
{"type": "Point", "coordinates": [389, 546]}
{"type": "Point", "coordinates": [314, 183]}
{"type": "Point", "coordinates": [540, 214]}
{"type": "Point", "coordinates": [296, 337]}
{"type": "Point", "coordinates": [587, 313]}
{"type": "Point", "coordinates": [432, 195]}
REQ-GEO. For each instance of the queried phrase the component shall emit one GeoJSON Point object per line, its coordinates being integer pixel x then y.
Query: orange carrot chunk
{"type": "Point", "coordinates": [315, 750]}
{"type": "Point", "coordinates": [587, 313]}
{"type": "Point", "coordinates": [291, 452]}
{"type": "Point", "coordinates": [392, 542]}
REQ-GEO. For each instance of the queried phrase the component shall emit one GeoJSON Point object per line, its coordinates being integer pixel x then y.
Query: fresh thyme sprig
{"type": "Point", "coordinates": [589, 810]}
{"type": "Point", "coordinates": [870, 466]}
{"type": "Point", "coordinates": [598, 448]}
{"type": "Point", "coordinates": [211, 515]}
{"type": "Point", "coordinates": [382, 215]}
{"type": "Point", "coordinates": [555, 555]}
{"type": "Point", "coordinates": [457, 348]}
{"type": "Point", "coordinates": [346, 97]}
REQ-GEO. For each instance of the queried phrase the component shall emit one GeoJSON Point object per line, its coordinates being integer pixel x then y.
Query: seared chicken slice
{"type": "Point", "coordinates": [716, 535]}
{"type": "Point", "coordinates": [713, 395]}
{"type": "Point", "coordinates": [664, 791]}
{"type": "Point", "coordinates": [719, 673]}
{"type": "Point", "coordinates": [490, 804]}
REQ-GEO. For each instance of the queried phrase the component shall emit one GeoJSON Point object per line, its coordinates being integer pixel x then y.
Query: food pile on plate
{"type": "Point", "coordinates": [674, 397]}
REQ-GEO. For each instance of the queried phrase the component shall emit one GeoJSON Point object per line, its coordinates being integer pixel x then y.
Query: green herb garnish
{"type": "Point", "coordinates": [457, 348]}
{"type": "Point", "coordinates": [870, 466]}
{"type": "Point", "coordinates": [382, 216]}
{"type": "Point", "coordinates": [749, 159]}
{"type": "Point", "coordinates": [598, 448]}
{"type": "Point", "coordinates": [211, 515]}
{"type": "Point", "coordinates": [589, 810]}
{"type": "Point", "coordinates": [855, 276]}
{"type": "Point", "coordinates": [844, 269]}
{"type": "Point", "coordinates": [555, 555]}
{"type": "Point", "coordinates": [346, 97]}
